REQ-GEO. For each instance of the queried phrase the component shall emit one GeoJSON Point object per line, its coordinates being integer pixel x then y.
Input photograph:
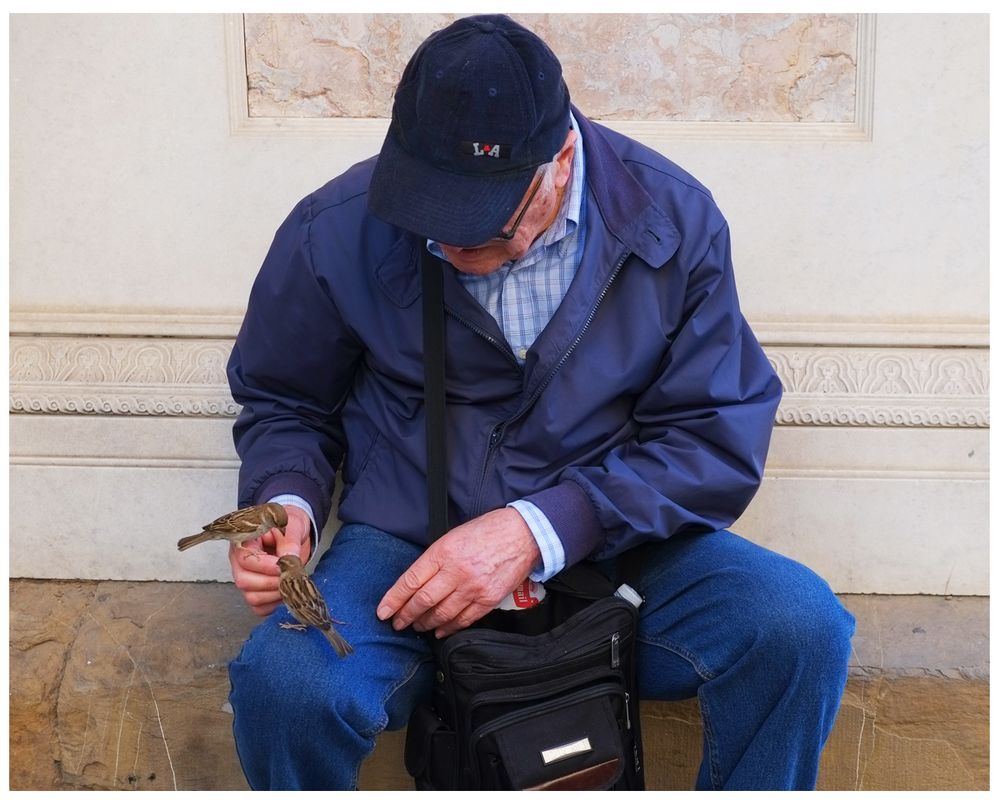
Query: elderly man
{"type": "Point", "coordinates": [603, 391]}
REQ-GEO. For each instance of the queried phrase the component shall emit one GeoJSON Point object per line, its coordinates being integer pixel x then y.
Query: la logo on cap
{"type": "Point", "coordinates": [490, 149]}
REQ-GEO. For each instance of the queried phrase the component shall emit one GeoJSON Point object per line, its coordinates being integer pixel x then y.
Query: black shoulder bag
{"type": "Point", "coordinates": [538, 699]}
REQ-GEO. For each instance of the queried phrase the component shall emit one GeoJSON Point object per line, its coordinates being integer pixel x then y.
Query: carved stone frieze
{"type": "Point", "coordinates": [155, 376]}
{"type": "Point", "coordinates": [883, 387]}
{"type": "Point", "coordinates": [882, 372]}
{"type": "Point", "coordinates": [840, 386]}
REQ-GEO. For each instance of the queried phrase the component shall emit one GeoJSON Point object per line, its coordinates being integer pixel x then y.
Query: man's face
{"type": "Point", "coordinates": [540, 214]}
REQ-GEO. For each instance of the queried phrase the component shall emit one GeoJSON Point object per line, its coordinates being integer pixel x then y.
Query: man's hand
{"type": "Point", "coordinates": [257, 576]}
{"type": "Point", "coordinates": [463, 575]}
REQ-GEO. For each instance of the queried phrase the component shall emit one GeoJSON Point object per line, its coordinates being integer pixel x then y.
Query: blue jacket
{"type": "Point", "coordinates": [644, 409]}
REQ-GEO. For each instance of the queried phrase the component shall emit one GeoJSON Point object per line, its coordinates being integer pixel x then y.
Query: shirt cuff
{"type": "Point", "coordinates": [552, 552]}
{"type": "Point", "coordinates": [294, 499]}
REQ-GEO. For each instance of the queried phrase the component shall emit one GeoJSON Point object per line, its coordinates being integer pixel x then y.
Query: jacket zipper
{"type": "Point", "coordinates": [497, 432]}
{"type": "Point", "coordinates": [486, 336]}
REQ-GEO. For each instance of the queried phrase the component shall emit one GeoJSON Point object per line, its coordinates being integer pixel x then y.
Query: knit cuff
{"type": "Point", "coordinates": [572, 515]}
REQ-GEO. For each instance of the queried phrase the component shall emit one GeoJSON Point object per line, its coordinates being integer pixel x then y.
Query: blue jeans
{"type": "Point", "coordinates": [759, 639]}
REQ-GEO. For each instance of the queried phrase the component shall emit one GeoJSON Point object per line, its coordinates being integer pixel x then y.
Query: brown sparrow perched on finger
{"type": "Point", "coordinates": [239, 526]}
{"type": "Point", "coordinates": [306, 604]}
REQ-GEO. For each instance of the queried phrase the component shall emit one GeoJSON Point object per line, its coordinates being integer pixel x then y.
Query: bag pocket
{"type": "Point", "coordinates": [573, 742]}
{"type": "Point", "coordinates": [588, 637]}
{"type": "Point", "coordinates": [489, 705]}
{"type": "Point", "coordinates": [431, 747]}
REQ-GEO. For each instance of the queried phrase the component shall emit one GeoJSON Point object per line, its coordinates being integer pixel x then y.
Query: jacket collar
{"type": "Point", "coordinates": [627, 211]}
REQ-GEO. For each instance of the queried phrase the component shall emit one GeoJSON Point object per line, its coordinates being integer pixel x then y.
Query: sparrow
{"type": "Point", "coordinates": [240, 526]}
{"type": "Point", "coordinates": [306, 604]}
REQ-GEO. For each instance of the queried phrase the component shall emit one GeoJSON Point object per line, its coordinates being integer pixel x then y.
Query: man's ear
{"type": "Point", "coordinates": [564, 159]}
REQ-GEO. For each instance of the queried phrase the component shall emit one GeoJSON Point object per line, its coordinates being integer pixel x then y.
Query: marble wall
{"type": "Point", "coordinates": [152, 157]}
{"type": "Point", "coordinates": [705, 67]}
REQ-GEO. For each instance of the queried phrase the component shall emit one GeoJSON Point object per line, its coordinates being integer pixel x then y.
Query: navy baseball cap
{"type": "Point", "coordinates": [480, 106]}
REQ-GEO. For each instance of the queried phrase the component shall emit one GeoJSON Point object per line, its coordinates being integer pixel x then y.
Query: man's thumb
{"type": "Point", "coordinates": [296, 537]}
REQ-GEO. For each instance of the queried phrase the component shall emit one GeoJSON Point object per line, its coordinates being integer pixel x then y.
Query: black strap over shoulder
{"type": "Point", "coordinates": [433, 391]}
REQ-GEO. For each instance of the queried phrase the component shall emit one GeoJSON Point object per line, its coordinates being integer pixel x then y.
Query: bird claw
{"type": "Point", "coordinates": [292, 626]}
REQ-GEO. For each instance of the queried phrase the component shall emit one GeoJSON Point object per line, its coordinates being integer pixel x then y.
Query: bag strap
{"type": "Point", "coordinates": [433, 392]}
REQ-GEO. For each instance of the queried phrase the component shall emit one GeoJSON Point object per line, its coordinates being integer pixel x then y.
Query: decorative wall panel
{"type": "Point", "coordinates": [694, 67]}
{"type": "Point", "coordinates": [668, 77]}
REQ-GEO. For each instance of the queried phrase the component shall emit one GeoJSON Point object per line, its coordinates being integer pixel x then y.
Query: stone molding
{"type": "Point", "coordinates": [841, 386]}
{"type": "Point", "coordinates": [226, 323]}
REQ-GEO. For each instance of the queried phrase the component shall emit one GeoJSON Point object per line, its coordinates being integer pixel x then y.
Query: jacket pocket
{"type": "Point", "coordinates": [353, 478]}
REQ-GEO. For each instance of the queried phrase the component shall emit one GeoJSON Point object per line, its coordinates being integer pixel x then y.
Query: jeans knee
{"type": "Point", "coordinates": [287, 680]}
{"type": "Point", "coordinates": [813, 629]}
{"type": "Point", "coordinates": [297, 721]}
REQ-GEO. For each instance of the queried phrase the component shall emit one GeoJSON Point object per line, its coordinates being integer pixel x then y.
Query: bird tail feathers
{"type": "Point", "coordinates": [190, 541]}
{"type": "Point", "coordinates": [340, 645]}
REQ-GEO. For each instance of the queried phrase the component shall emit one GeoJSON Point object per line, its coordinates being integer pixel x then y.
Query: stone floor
{"type": "Point", "coordinates": [118, 685]}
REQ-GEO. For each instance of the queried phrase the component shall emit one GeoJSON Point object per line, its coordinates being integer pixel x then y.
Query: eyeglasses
{"type": "Point", "coordinates": [509, 235]}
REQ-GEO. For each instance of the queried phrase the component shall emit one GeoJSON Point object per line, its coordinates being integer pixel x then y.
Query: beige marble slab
{"type": "Point", "coordinates": [695, 67]}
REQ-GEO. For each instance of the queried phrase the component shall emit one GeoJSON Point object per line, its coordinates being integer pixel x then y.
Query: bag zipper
{"type": "Point", "coordinates": [528, 712]}
{"type": "Point", "coordinates": [537, 690]}
{"type": "Point", "coordinates": [578, 651]}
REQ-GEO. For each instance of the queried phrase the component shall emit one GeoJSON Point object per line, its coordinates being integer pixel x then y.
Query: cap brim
{"type": "Point", "coordinates": [451, 208]}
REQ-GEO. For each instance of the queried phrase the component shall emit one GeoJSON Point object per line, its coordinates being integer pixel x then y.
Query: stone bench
{"type": "Point", "coordinates": [123, 685]}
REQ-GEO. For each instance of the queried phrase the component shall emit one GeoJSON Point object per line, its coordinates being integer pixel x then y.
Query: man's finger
{"type": "Point", "coordinates": [443, 613]}
{"type": "Point", "coordinates": [413, 579]}
{"type": "Point", "coordinates": [434, 603]}
{"type": "Point", "coordinates": [297, 535]}
{"type": "Point", "coordinates": [470, 615]}
{"type": "Point", "coordinates": [256, 582]}
{"type": "Point", "coordinates": [258, 599]}
{"type": "Point", "coordinates": [264, 610]}
{"type": "Point", "coordinates": [249, 559]}
{"type": "Point", "coordinates": [285, 543]}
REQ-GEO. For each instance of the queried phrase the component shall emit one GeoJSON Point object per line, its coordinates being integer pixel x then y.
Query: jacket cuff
{"type": "Point", "coordinates": [572, 515]}
{"type": "Point", "coordinates": [292, 483]}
